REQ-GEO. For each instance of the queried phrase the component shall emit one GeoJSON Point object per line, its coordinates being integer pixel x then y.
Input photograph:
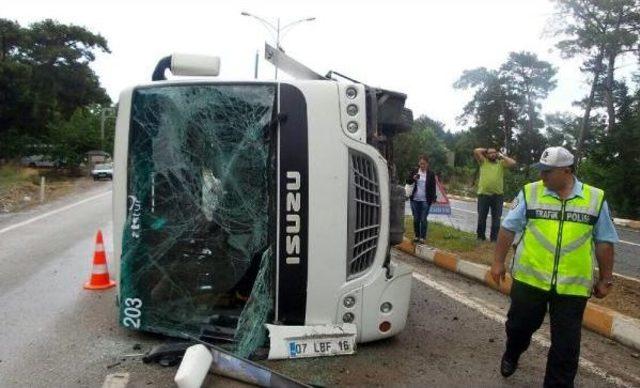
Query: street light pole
{"type": "Point", "coordinates": [255, 71]}
{"type": "Point", "coordinates": [103, 117]}
{"type": "Point", "coordinates": [276, 29]}
{"type": "Point", "coordinates": [277, 46]}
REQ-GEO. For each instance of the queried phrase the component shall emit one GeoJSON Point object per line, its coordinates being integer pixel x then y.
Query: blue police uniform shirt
{"type": "Point", "coordinates": [603, 231]}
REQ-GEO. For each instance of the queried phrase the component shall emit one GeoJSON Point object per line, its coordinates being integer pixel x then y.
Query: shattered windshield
{"type": "Point", "coordinates": [197, 229]}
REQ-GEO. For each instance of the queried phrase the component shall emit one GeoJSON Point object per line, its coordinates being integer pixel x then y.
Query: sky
{"type": "Point", "coordinates": [416, 47]}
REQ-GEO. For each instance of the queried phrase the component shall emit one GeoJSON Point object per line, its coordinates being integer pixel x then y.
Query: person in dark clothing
{"type": "Point", "coordinates": [552, 268]}
{"type": "Point", "coordinates": [490, 189]}
{"type": "Point", "coordinates": [423, 195]}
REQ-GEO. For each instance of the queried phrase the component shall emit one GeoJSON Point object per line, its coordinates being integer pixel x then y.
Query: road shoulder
{"type": "Point", "coordinates": [602, 320]}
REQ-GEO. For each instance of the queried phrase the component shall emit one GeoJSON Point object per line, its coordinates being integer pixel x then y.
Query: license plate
{"type": "Point", "coordinates": [321, 347]}
{"type": "Point", "coordinates": [311, 341]}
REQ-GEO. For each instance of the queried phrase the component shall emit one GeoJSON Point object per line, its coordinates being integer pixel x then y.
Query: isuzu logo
{"type": "Point", "coordinates": [293, 207]}
{"type": "Point", "coordinates": [292, 229]}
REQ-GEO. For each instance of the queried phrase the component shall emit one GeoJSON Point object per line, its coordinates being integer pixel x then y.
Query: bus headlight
{"type": "Point", "coordinates": [348, 317]}
{"type": "Point", "coordinates": [349, 301]}
{"type": "Point", "coordinates": [351, 93]}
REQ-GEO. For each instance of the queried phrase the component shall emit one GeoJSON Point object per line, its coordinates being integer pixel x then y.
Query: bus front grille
{"type": "Point", "coordinates": [364, 214]}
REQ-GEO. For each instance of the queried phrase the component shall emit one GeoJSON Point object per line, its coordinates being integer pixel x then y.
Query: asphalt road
{"type": "Point", "coordinates": [464, 216]}
{"type": "Point", "coordinates": [54, 333]}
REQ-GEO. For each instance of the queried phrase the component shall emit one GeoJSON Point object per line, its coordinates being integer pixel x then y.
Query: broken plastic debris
{"type": "Point", "coordinates": [311, 341]}
{"type": "Point", "coordinates": [194, 367]}
{"type": "Point", "coordinates": [229, 365]}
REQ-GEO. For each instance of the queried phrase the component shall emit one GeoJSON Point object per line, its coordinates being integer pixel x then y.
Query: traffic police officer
{"type": "Point", "coordinates": [562, 224]}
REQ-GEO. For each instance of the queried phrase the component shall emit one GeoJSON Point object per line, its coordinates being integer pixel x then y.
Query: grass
{"type": "Point", "coordinates": [450, 239]}
{"type": "Point", "coordinates": [20, 186]}
{"type": "Point", "coordinates": [12, 175]}
{"type": "Point", "coordinates": [443, 236]}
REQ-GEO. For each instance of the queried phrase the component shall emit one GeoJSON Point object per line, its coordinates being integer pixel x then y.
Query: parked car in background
{"type": "Point", "coordinates": [101, 171]}
{"type": "Point", "coordinates": [38, 161]}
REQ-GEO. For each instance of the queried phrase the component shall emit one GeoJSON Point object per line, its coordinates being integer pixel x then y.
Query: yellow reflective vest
{"type": "Point", "coordinates": [557, 246]}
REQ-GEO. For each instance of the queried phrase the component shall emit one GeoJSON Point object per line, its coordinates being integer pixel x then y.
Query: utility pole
{"type": "Point", "coordinates": [276, 29]}
{"type": "Point", "coordinates": [255, 72]}
{"type": "Point", "coordinates": [277, 45]}
{"type": "Point", "coordinates": [103, 117]}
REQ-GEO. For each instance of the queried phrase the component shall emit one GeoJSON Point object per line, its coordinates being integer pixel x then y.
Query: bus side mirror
{"type": "Point", "coordinates": [187, 65]}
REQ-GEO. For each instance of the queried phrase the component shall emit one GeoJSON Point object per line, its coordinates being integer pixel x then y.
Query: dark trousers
{"type": "Point", "coordinates": [486, 202]}
{"type": "Point", "coordinates": [420, 211]}
{"type": "Point", "coordinates": [527, 311]}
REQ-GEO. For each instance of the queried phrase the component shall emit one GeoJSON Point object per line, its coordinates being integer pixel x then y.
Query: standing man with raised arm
{"type": "Point", "coordinates": [565, 224]}
{"type": "Point", "coordinates": [490, 189]}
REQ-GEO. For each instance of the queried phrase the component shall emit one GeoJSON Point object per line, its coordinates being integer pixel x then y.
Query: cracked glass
{"type": "Point", "coordinates": [196, 256]}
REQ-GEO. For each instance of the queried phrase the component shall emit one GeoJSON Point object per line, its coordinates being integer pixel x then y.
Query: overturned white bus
{"type": "Point", "coordinates": [239, 203]}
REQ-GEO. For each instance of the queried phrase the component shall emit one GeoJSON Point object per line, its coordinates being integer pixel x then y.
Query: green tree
{"type": "Point", "coordinates": [493, 109]}
{"type": "Point", "coordinates": [81, 133]}
{"type": "Point", "coordinates": [601, 31]}
{"type": "Point", "coordinates": [531, 80]}
{"type": "Point", "coordinates": [15, 76]}
{"type": "Point", "coordinates": [463, 146]}
{"type": "Point", "coordinates": [60, 56]}
{"type": "Point", "coordinates": [11, 37]}
{"type": "Point", "coordinates": [44, 78]}
{"type": "Point", "coordinates": [614, 164]}
{"type": "Point", "coordinates": [506, 103]}
{"type": "Point", "coordinates": [422, 139]}
{"type": "Point", "coordinates": [562, 129]}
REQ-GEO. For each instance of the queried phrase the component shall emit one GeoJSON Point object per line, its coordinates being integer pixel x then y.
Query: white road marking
{"type": "Point", "coordinates": [475, 213]}
{"type": "Point", "coordinates": [627, 277]}
{"type": "Point", "coordinates": [465, 210]}
{"type": "Point", "coordinates": [490, 311]}
{"type": "Point", "coordinates": [629, 242]}
{"type": "Point", "coordinates": [27, 222]}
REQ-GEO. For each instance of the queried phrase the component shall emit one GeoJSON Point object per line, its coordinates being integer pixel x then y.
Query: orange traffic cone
{"type": "Point", "coordinates": [99, 273]}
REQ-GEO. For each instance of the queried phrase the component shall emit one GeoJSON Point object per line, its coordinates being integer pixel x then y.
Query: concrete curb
{"type": "Point", "coordinates": [599, 319]}
{"type": "Point", "coordinates": [631, 224]}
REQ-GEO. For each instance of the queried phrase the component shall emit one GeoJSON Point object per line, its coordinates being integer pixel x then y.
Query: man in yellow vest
{"type": "Point", "coordinates": [565, 226]}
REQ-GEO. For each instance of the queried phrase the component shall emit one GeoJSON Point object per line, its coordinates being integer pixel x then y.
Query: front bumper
{"type": "Point", "coordinates": [395, 290]}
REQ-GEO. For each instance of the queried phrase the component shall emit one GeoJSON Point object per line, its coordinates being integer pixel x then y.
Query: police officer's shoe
{"type": "Point", "coordinates": [508, 366]}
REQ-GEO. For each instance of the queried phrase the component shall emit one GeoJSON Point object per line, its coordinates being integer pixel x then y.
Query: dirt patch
{"type": "Point", "coordinates": [22, 190]}
{"type": "Point", "coordinates": [483, 253]}
{"type": "Point", "coordinates": [625, 297]}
